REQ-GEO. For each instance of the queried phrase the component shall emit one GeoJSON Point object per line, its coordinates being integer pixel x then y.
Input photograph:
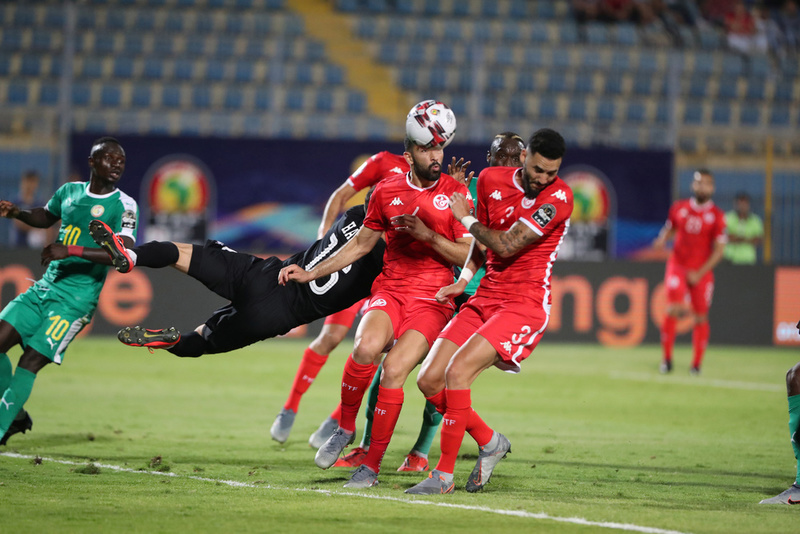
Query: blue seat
{"type": "Point", "coordinates": [561, 59]}
{"type": "Point", "coordinates": [465, 81]}
{"type": "Point", "coordinates": [648, 62]}
{"type": "Point", "coordinates": [110, 95]}
{"type": "Point", "coordinates": [347, 6]}
{"type": "Point", "coordinates": [488, 107]}
{"type": "Point", "coordinates": [153, 68]}
{"type": "Point", "coordinates": [688, 144]}
{"type": "Point", "coordinates": [727, 88]}
{"type": "Point", "coordinates": [203, 23]}
{"type": "Point", "coordinates": [377, 6]}
{"type": "Point", "coordinates": [518, 8]}
{"type": "Point", "coordinates": [489, 8]}
{"type": "Point", "coordinates": [453, 30]}
{"type": "Point", "coordinates": [511, 32]}
{"type": "Point", "coordinates": [693, 113]}
{"type": "Point", "coordinates": [750, 114]}
{"type": "Point", "coordinates": [584, 83]}
{"type": "Point", "coordinates": [703, 63]}
{"type": "Point", "coordinates": [496, 81]}
{"type": "Point", "coordinates": [133, 44]}
{"type": "Point", "coordinates": [533, 57]}
{"type": "Point", "coordinates": [416, 53]}
{"type": "Point", "coordinates": [254, 49]}
{"type": "Point", "coordinates": [625, 34]}
{"type": "Point", "coordinates": [606, 110]}
{"type": "Point", "coordinates": [784, 90]}
{"type": "Point", "coordinates": [245, 71]}
{"type": "Point", "coordinates": [215, 70]}
{"type": "Point", "coordinates": [387, 53]}
{"type": "Point", "coordinates": [482, 33]}
{"type": "Point", "coordinates": [517, 107]}
{"type": "Point", "coordinates": [262, 23]}
{"type": "Point", "coordinates": [115, 20]}
{"type": "Point", "coordinates": [698, 86]}
{"type": "Point", "coordinates": [576, 110]}
{"type": "Point", "coordinates": [123, 67]}
{"type": "Point", "coordinates": [141, 96]}
{"type": "Point", "coordinates": [41, 40]}
{"type": "Point", "coordinates": [234, 24]}
{"type": "Point", "coordinates": [539, 33]}
{"type": "Point", "coordinates": [437, 80]}
{"type": "Point", "coordinates": [591, 59]}
{"type": "Point", "coordinates": [183, 69]}
{"type": "Point", "coordinates": [17, 93]}
{"type": "Point", "coordinates": [226, 47]}
{"type": "Point", "coordinates": [54, 16]}
{"type": "Point", "coordinates": [163, 45]}
{"type": "Point", "coordinates": [48, 94]}
{"type": "Point", "coordinates": [613, 83]}
{"type": "Point", "coordinates": [333, 74]}
{"type": "Point", "coordinates": [356, 102]}
{"type": "Point", "coordinates": [86, 19]}
{"type": "Point", "coordinates": [104, 44]}
{"type": "Point", "coordinates": [398, 29]}
{"type": "Point", "coordinates": [597, 33]}
{"type": "Point", "coordinates": [721, 113]}
{"type": "Point", "coordinates": [779, 115]}
{"type": "Point", "coordinates": [303, 74]}
{"type": "Point", "coordinates": [643, 84]}
{"type": "Point", "coordinates": [548, 108]}
{"type": "Point", "coordinates": [81, 94]}
{"type": "Point", "coordinates": [732, 65]}
{"type": "Point", "coordinates": [445, 54]}
{"type": "Point", "coordinates": [295, 100]}
{"type": "Point", "coordinates": [189, 125]}
{"type": "Point", "coordinates": [635, 112]}
{"type": "Point", "coordinates": [423, 30]}
{"type": "Point", "coordinates": [263, 99]}
{"type": "Point", "coordinates": [432, 8]}
{"type": "Point", "coordinates": [526, 81]}
{"type": "Point", "coordinates": [91, 68]}
{"type": "Point", "coordinates": [171, 96]}
{"type": "Point", "coordinates": [195, 45]}
{"type": "Point", "coordinates": [568, 32]}
{"type": "Point", "coordinates": [323, 101]}
{"type": "Point", "coordinates": [662, 112]}
{"type": "Point", "coordinates": [145, 21]}
{"type": "Point", "coordinates": [557, 81]}
{"type": "Point", "coordinates": [175, 22]}
{"type": "Point", "coordinates": [545, 10]}
{"type": "Point", "coordinates": [234, 98]}
{"type": "Point", "coordinates": [711, 39]}
{"type": "Point", "coordinates": [31, 65]}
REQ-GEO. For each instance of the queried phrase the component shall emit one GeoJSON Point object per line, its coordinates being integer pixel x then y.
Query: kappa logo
{"type": "Point", "coordinates": [4, 401]}
{"type": "Point", "coordinates": [506, 346]}
{"type": "Point", "coordinates": [378, 302]}
{"type": "Point", "coordinates": [397, 170]}
{"type": "Point", "coordinates": [560, 195]}
{"type": "Point", "coordinates": [441, 202]}
{"type": "Point", "coordinates": [396, 202]}
{"type": "Point", "coordinates": [496, 195]}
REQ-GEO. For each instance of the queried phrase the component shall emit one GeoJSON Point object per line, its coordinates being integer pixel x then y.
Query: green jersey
{"type": "Point", "coordinates": [742, 253]}
{"type": "Point", "coordinates": [472, 286]}
{"type": "Point", "coordinates": [77, 279]}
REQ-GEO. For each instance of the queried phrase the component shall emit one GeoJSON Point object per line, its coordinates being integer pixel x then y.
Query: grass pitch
{"type": "Point", "coordinates": [126, 441]}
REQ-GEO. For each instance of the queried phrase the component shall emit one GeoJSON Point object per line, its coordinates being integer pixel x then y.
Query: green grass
{"type": "Point", "coordinates": [596, 434]}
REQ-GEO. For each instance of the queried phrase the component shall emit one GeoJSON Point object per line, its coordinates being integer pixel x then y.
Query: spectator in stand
{"type": "Point", "coordinates": [616, 10]}
{"type": "Point", "coordinates": [745, 232]}
{"type": "Point", "coordinates": [714, 11]}
{"type": "Point", "coordinates": [743, 36]}
{"type": "Point", "coordinates": [585, 10]}
{"type": "Point", "coordinates": [22, 235]}
{"type": "Point", "coordinates": [788, 19]}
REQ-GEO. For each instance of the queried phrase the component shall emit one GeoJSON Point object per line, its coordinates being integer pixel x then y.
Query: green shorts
{"type": "Point", "coordinates": [45, 320]}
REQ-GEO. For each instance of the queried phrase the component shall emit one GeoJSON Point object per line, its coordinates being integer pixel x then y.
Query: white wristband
{"type": "Point", "coordinates": [466, 274]}
{"type": "Point", "coordinates": [468, 220]}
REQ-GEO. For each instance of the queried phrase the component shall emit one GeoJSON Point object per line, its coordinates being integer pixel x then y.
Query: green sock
{"type": "Point", "coordinates": [430, 424]}
{"type": "Point", "coordinates": [794, 430]}
{"type": "Point", "coordinates": [372, 400]}
{"type": "Point", "coordinates": [15, 397]}
{"type": "Point", "coordinates": [6, 371]}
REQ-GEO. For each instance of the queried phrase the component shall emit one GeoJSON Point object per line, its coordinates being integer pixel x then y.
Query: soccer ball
{"type": "Point", "coordinates": [431, 123]}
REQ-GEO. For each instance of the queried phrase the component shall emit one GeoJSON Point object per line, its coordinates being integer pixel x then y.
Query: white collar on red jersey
{"type": "Point", "coordinates": [418, 188]}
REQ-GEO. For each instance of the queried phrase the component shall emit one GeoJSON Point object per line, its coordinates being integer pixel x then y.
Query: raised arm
{"type": "Point", "coordinates": [35, 217]}
{"type": "Point", "coordinates": [363, 242]}
{"type": "Point", "coordinates": [334, 207]}
{"type": "Point", "coordinates": [504, 244]}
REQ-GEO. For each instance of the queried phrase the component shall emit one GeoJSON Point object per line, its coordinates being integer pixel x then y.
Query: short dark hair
{"type": "Point", "coordinates": [102, 141]}
{"type": "Point", "coordinates": [408, 143]}
{"type": "Point", "coordinates": [705, 171]}
{"type": "Point", "coordinates": [742, 195]}
{"type": "Point", "coordinates": [510, 135]}
{"type": "Point", "coordinates": [548, 143]}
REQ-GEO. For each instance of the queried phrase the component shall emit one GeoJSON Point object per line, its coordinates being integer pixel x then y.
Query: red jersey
{"type": "Point", "coordinates": [376, 168]}
{"type": "Point", "coordinates": [412, 266]}
{"type": "Point", "coordinates": [697, 228]}
{"type": "Point", "coordinates": [501, 203]}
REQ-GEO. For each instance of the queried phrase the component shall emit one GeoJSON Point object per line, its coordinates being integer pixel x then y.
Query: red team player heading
{"type": "Point", "coordinates": [698, 227]}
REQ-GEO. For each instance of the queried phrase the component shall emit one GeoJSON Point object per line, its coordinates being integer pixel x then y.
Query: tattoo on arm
{"type": "Point", "coordinates": [505, 243]}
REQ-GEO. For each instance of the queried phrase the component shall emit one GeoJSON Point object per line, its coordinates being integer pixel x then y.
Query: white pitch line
{"type": "Point", "coordinates": [697, 381]}
{"type": "Point", "coordinates": [237, 484]}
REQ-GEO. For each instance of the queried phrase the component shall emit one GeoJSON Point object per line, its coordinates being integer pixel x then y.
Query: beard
{"type": "Point", "coordinates": [428, 174]}
{"type": "Point", "coordinates": [530, 192]}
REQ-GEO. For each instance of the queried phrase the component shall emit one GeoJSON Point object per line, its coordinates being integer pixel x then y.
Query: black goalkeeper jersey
{"type": "Point", "coordinates": [342, 289]}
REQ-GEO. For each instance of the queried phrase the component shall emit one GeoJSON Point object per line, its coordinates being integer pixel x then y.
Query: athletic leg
{"type": "Point", "coordinates": [20, 387]}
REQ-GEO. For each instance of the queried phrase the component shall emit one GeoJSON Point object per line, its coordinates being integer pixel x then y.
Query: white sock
{"type": "Point", "coordinates": [132, 254]}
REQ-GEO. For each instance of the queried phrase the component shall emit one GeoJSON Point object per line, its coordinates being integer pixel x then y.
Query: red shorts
{"type": "Point", "coordinates": [513, 328]}
{"type": "Point", "coordinates": [678, 288]}
{"type": "Point", "coordinates": [346, 317]}
{"type": "Point", "coordinates": [412, 313]}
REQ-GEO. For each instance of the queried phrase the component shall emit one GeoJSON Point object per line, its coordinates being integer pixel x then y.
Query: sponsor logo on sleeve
{"type": "Point", "coordinates": [129, 220]}
{"type": "Point", "coordinates": [544, 215]}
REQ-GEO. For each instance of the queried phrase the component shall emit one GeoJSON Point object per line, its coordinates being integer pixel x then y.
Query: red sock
{"type": "Point", "coordinates": [439, 401]}
{"type": "Point", "coordinates": [700, 336]}
{"type": "Point", "coordinates": [480, 431]}
{"type": "Point", "coordinates": [336, 414]}
{"type": "Point", "coordinates": [454, 423]}
{"type": "Point", "coordinates": [355, 381]}
{"type": "Point", "coordinates": [306, 373]}
{"type": "Point", "coordinates": [668, 336]}
{"type": "Point", "coordinates": [387, 410]}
